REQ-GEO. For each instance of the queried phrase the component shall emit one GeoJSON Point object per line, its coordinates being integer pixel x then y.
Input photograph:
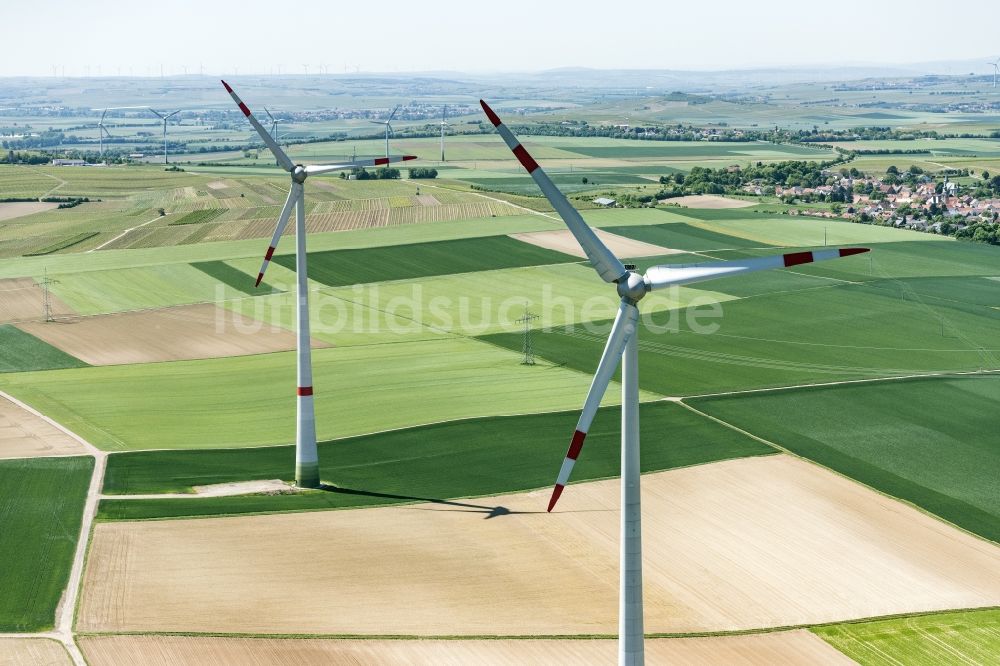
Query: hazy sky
{"type": "Point", "coordinates": [113, 36]}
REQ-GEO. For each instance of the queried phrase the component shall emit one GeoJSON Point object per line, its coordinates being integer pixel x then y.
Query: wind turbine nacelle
{"type": "Point", "coordinates": [633, 287]}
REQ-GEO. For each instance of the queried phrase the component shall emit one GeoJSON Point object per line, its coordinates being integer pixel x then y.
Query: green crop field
{"type": "Point", "coordinates": [400, 262]}
{"type": "Point", "coordinates": [809, 332]}
{"type": "Point", "coordinates": [41, 507]}
{"type": "Point", "coordinates": [20, 352]}
{"type": "Point", "coordinates": [680, 236]}
{"type": "Point", "coordinates": [457, 459]}
{"type": "Point", "coordinates": [929, 441]}
{"type": "Point", "coordinates": [250, 400]}
{"type": "Point", "coordinates": [964, 637]}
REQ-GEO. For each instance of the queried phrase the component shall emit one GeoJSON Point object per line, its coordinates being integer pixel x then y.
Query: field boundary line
{"type": "Point", "coordinates": [530, 637]}
{"type": "Point", "coordinates": [870, 380]}
{"type": "Point", "coordinates": [777, 446]}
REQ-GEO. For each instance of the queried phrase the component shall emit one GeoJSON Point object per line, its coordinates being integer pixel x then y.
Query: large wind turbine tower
{"type": "Point", "coordinates": [622, 348]}
{"type": "Point", "coordinates": [164, 117]}
{"type": "Point", "coordinates": [306, 454]}
{"type": "Point", "coordinates": [996, 68]}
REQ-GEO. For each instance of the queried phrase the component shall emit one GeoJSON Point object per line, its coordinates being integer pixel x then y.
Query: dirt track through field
{"type": "Point", "coordinates": [22, 299]}
{"type": "Point", "coordinates": [24, 435]}
{"type": "Point", "coordinates": [32, 652]}
{"type": "Point", "coordinates": [758, 542]}
{"type": "Point", "coordinates": [788, 647]}
{"type": "Point", "coordinates": [710, 201]}
{"type": "Point", "coordinates": [562, 240]}
{"type": "Point", "coordinates": [169, 334]}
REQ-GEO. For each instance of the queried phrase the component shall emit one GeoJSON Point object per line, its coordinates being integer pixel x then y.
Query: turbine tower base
{"type": "Point", "coordinates": [307, 475]}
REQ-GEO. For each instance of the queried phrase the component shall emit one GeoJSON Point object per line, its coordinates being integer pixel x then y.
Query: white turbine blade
{"type": "Point", "coordinates": [269, 141]}
{"type": "Point", "coordinates": [658, 277]}
{"type": "Point", "coordinates": [378, 122]}
{"type": "Point", "coordinates": [156, 112]}
{"type": "Point", "coordinates": [286, 212]}
{"type": "Point", "coordinates": [393, 114]}
{"type": "Point", "coordinates": [604, 261]}
{"type": "Point", "coordinates": [621, 331]}
{"type": "Point", "coordinates": [172, 114]}
{"type": "Point", "coordinates": [315, 169]}
{"type": "Point", "coordinates": [269, 115]}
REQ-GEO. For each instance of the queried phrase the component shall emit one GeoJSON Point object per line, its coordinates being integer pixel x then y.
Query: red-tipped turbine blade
{"type": "Point", "coordinates": [668, 275]}
{"type": "Point", "coordinates": [269, 141]}
{"type": "Point", "coordinates": [621, 331]}
{"type": "Point", "coordinates": [286, 212]}
{"type": "Point", "coordinates": [603, 260]}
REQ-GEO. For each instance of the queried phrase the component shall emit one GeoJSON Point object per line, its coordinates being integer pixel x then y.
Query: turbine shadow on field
{"type": "Point", "coordinates": [464, 507]}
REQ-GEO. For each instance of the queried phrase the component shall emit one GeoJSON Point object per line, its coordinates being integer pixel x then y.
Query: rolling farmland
{"type": "Point", "coordinates": [772, 503]}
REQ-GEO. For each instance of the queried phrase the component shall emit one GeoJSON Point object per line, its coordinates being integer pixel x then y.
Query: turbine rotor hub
{"type": "Point", "coordinates": [299, 174]}
{"type": "Point", "coordinates": [633, 287]}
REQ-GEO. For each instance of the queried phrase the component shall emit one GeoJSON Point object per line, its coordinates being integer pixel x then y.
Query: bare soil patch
{"type": "Point", "coordinates": [222, 490]}
{"type": "Point", "coordinates": [33, 652]}
{"type": "Point", "coordinates": [169, 334]}
{"type": "Point", "coordinates": [788, 647]}
{"type": "Point", "coordinates": [218, 185]}
{"type": "Point", "coordinates": [14, 209]}
{"type": "Point", "coordinates": [21, 299]}
{"type": "Point", "coordinates": [562, 240]}
{"type": "Point", "coordinates": [759, 542]}
{"type": "Point", "coordinates": [710, 201]}
{"type": "Point", "coordinates": [24, 435]}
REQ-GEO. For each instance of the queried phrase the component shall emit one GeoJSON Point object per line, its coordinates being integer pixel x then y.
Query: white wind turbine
{"type": "Point", "coordinates": [388, 127]}
{"type": "Point", "coordinates": [996, 68]}
{"type": "Point", "coordinates": [274, 124]}
{"type": "Point", "coordinates": [306, 456]}
{"type": "Point", "coordinates": [164, 117]}
{"type": "Point", "coordinates": [622, 346]}
{"type": "Point", "coordinates": [444, 124]}
{"type": "Point", "coordinates": [102, 129]}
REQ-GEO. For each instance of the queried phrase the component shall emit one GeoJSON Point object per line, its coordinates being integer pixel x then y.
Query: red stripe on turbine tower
{"type": "Point", "coordinates": [489, 114]}
{"type": "Point", "coordinates": [526, 160]}
{"type": "Point", "coordinates": [556, 492]}
{"type": "Point", "coordinates": [305, 390]}
{"type": "Point", "coordinates": [576, 445]}
{"type": "Point", "coordinates": [848, 251]}
{"type": "Point", "coordinates": [796, 258]}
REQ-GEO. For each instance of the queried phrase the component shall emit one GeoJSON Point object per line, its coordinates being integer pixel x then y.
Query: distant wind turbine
{"type": "Point", "coordinates": [444, 124]}
{"type": "Point", "coordinates": [388, 127]}
{"type": "Point", "coordinates": [164, 117]}
{"type": "Point", "coordinates": [996, 68]}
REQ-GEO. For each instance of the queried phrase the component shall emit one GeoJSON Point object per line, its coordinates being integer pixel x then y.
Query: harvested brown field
{"type": "Point", "coordinates": [787, 647]}
{"type": "Point", "coordinates": [33, 652]}
{"type": "Point", "coordinates": [759, 542]}
{"type": "Point", "coordinates": [21, 299]}
{"type": "Point", "coordinates": [25, 435]}
{"type": "Point", "coordinates": [710, 201]}
{"type": "Point", "coordinates": [169, 334]}
{"type": "Point", "coordinates": [15, 209]}
{"type": "Point", "coordinates": [562, 240]}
